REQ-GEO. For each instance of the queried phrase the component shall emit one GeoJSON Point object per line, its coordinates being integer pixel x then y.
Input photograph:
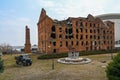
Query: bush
{"type": "Point", "coordinates": [82, 53]}
{"type": "Point", "coordinates": [1, 65]}
{"type": "Point", "coordinates": [50, 56]}
{"type": "Point", "coordinates": [113, 68]}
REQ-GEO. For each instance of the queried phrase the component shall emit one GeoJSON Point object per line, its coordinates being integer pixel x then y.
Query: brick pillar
{"type": "Point", "coordinates": [27, 40]}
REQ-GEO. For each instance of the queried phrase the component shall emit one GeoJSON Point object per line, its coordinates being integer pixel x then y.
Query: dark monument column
{"type": "Point", "coordinates": [27, 40]}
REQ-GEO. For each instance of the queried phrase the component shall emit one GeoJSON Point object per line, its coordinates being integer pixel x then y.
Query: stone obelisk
{"type": "Point", "coordinates": [27, 40]}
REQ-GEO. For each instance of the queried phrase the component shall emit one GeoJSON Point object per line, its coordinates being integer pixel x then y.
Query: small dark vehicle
{"type": "Point", "coordinates": [24, 60]}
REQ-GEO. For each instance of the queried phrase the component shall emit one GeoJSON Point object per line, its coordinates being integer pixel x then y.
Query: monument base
{"type": "Point", "coordinates": [73, 58]}
{"type": "Point", "coordinates": [74, 61]}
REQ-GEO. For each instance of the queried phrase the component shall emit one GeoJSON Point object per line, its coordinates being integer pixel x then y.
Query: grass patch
{"type": "Point", "coordinates": [42, 69]}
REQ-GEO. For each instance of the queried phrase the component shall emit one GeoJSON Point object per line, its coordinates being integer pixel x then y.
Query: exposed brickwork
{"type": "Point", "coordinates": [82, 34]}
{"type": "Point", "coordinates": [27, 40]}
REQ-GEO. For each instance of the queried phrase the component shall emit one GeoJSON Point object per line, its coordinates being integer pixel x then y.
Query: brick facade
{"type": "Point", "coordinates": [82, 34]}
{"type": "Point", "coordinates": [27, 40]}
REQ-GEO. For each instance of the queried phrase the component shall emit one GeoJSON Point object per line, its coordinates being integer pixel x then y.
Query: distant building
{"type": "Point", "coordinates": [117, 44]}
{"type": "Point", "coordinates": [115, 17]}
{"type": "Point", "coordinates": [82, 34]}
{"type": "Point", "coordinates": [34, 48]}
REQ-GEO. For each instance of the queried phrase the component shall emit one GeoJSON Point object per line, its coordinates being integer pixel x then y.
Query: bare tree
{"type": "Point", "coordinates": [5, 48]}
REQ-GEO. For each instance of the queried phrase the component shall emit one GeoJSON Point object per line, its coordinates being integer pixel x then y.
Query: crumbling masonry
{"type": "Point", "coordinates": [82, 34]}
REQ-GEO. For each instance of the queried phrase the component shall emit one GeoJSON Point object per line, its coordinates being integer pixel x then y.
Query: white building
{"type": "Point", "coordinates": [34, 48]}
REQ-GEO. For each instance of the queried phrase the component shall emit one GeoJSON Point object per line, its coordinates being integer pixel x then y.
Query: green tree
{"type": "Point", "coordinates": [1, 65]}
{"type": "Point", "coordinates": [113, 69]}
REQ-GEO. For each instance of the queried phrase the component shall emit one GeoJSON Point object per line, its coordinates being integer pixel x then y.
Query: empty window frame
{"type": "Point", "coordinates": [60, 29]}
{"type": "Point", "coordinates": [81, 37]}
{"type": "Point", "coordinates": [86, 36]}
{"type": "Point", "coordinates": [53, 28]}
{"type": "Point", "coordinates": [81, 24]}
{"type": "Point", "coordinates": [60, 43]}
{"type": "Point", "coordinates": [72, 43]}
{"type": "Point", "coordinates": [86, 30]}
{"type": "Point", "coordinates": [86, 43]}
{"type": "Point", "coordinates": [77, 43]}
{"type": "Point", "coordinates": [82, 43]}
{"type": "Point", "coordinates": [81, 30]}
{"type": "Point", "coordinates": [53, 35]}
{"type": "Point", "coordinates": [90, 24]}
{"type": "Point", "coordinates": [66, 43]}
{"type": "Point", "coordinates": [77, 36]}
{"type": "Point", "coordinates": [90, 36]}
{"type": "Point", "coordinates": [54, 43]}
{"type": "Point", "coordinates": [90, 30]}
{"type": "Point", "coordinates": [77, 31]}
{"type": "Point", "coordinates": [60, 36]}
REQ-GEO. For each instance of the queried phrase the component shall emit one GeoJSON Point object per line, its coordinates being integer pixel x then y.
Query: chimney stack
{"type": "Point", "coordinates": [27, 40]}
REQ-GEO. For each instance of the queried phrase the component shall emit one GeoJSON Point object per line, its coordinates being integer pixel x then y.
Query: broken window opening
{"type": "Point", "coordinates": [77, 43]}
{"type": "Point", "coordinates": [54, 50]}
{"type": "Point", "coordinates": [71, 36]}
{"type": "Point", "coordinates": [81, 25]}
{"type": "Point", "coordinates": [98, 31]}
{"type": "Point", "coordinates": [77, 31]}
{"type": "Point", "coordinates": [95, 43]}
{"type": "Point", "coordinates": [60, 43]}
{"type": "Point", "coordinates": [98, 37]}
{"type": "Point", "coordinates": [81, 37]}
{"type": "Point", "coordinates": [66, 30]}
{"type": "Point", "coordinates": [53, 28]}
{"type": "Point", "coordinates": [94, 25]}
{"type": "Point", "coordinates": [90, 24]}
{"type": "Point", "coordinates": [69, 23]}
{"type": "Point", "coordinates": [82, 43]}
{"type": "Point", "coordinates": [54, 43]}
{"type": "Point", "coordinates": [77, 36]}
{"type": "Point", "coordinates": [66, 37]}
{"type": "Point", "coordinates": [86, 42]}
{"type": "Point", "coordinates": [90, 36]}
{"type": "Point", "coordinates": [60, 36]}
{"type": "Point", "coordinates": [81, 30]}
{"type": "Point", "coordinates": [94, 31]}
{"type": "Point", "coordinates": [72, 43]}
{"type": "Point", "coordinates": [86, 36]}
{"type": "Point", "coordinates": [104, 32]}
{"type": "Point", "coordinates": [53, 35]}
{"type": "Point", "coordinates": [86, 30]}
{"type": "Point", "coordinates": [104, 42]}
{"type": "Point", "coordinates": [94, 36]}
{"type": "Point", "coordinates": [60, 29]}
{"type": "Point", "coordinates": [90, 30]}
{"type": "Point", "coordinates": [70, 31]}
{"type": "Point", "coordinates": [66, 44]}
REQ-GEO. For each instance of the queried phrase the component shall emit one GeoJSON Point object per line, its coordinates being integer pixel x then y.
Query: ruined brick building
{"type": "Point", "coordinates": [82, 34]}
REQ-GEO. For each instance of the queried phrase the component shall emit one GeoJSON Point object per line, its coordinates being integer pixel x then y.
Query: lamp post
{"type": "Point", "coordinates": [52, 63]}
{"type": "Point", "coordinates": [52, 59]}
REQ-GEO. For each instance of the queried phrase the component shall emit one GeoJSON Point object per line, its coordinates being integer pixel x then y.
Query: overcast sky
{"type": "Point", "coordinates": [16, 14]}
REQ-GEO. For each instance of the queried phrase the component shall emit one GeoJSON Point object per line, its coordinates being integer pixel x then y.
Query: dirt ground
{"type": "Point", "coordinates": [42, 69]}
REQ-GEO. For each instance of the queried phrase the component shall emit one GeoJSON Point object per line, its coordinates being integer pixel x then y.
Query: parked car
{"type": "Point", "coordinates": [24, 60]}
